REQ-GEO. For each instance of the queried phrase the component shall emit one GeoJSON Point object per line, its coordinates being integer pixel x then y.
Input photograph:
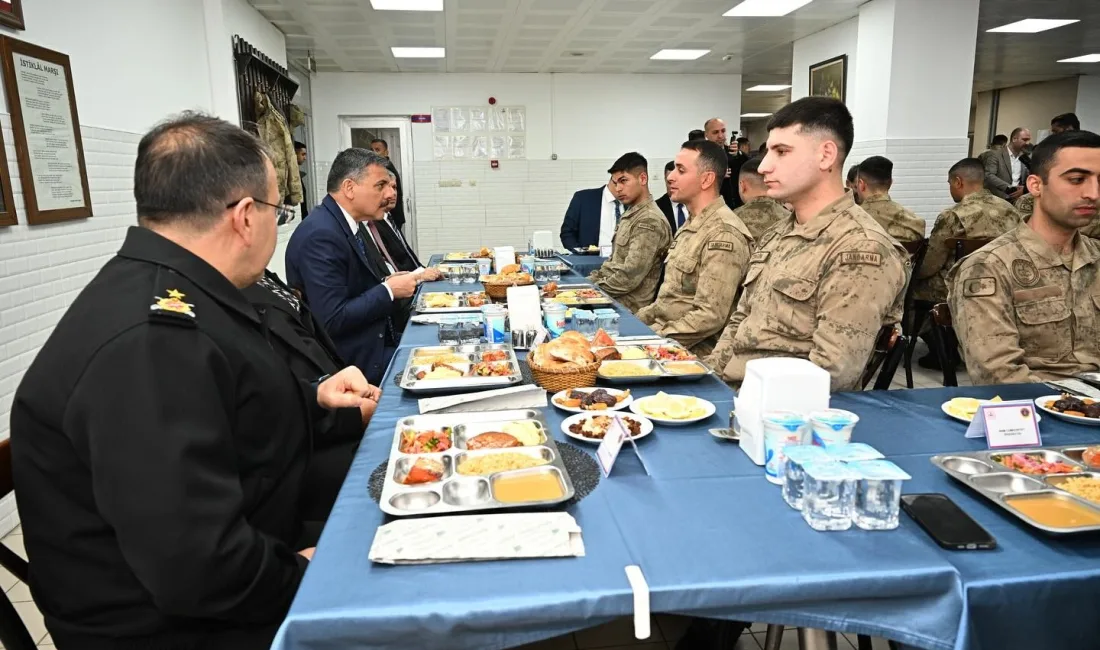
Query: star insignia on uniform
{"type": "Point", "coordinates": [173, 303]}
{"type": "Point", "coordinates": [175, 293]}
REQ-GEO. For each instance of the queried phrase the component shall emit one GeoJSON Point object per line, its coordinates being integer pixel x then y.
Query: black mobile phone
{"type": "Point", "coordinates": [946, 522]}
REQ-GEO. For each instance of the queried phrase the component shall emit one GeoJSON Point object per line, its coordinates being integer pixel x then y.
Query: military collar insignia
{"type": "Point", "coordinates": [173, 303]}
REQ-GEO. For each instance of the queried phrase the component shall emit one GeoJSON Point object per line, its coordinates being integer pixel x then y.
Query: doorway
{"type": "Point", "coordinates": [397, 133]}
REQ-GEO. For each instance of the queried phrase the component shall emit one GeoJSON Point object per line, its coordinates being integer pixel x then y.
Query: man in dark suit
{"type": "Point", "coordinates": [397, 212]}
{"type": "Point", "coordinates": [715, 129]}
{"type": "Point", "coordinates": [581, 226]}
{"type": "Point", "coordinates": [339, 263]}
{"type": "Point", "coordinates": [676, 213]}
{"type": "Point", "coordinates": [1006, 170]}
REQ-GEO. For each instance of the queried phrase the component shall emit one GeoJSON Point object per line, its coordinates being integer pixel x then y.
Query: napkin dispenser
{"type": "Point", "coordinates": [542, 240]}
{"type": "Point", "coordinates": [776, 384]}
{"type": "Point", "coordinates": [503, 256]}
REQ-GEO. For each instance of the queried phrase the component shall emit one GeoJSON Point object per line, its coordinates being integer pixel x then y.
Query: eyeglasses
{"type": "Point", "coordinates": [282, 213]}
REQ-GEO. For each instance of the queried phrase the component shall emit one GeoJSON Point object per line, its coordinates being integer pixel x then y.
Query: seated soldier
{"type": "Point", "coordinates": [823, 282]}
{"type": "Point", "coordinates": [1026, 307]}
{"type": "Point", "coordinates": [875, 177]}
{"type": "Point", "coordinates": [642, 237]}
{"type": "Point", "coordinates": [759, 212]}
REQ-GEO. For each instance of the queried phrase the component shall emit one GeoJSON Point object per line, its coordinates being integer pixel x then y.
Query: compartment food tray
{"type": "Point", "coordinates": [462, 306]}
{"type": "Point", "coordinates": [472, 353]}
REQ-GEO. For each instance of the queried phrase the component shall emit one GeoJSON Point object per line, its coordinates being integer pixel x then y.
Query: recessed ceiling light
{"type": "Point", "coordinates": [1088, 58]}
{"type": "Point", "coordinates": [1032, 26]}
{"type": "Point", "coordinates": [765, 88]}
{"type": "Point", "coordinates": [679, 55]}
{"type": "Point", "coordinates": [755, 114]}
{"type": "Point", "coordinates": [419, 52]}
{"type": "Point", "coordinates": [766, 7]}
{"type": "Point", "coordinates": [407, 5]}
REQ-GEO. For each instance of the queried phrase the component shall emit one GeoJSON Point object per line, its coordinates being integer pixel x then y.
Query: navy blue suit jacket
{"type": "Point", "coordinates": [581, 226]}
{"type": "Point", "coordinates": [343, 288]}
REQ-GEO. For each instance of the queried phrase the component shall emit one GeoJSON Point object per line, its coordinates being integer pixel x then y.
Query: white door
{"type": "Point", "coordinates": [397, 132]}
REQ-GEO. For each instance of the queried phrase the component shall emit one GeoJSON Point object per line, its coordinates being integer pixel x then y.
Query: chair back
{"type": "Point", "coordinates": [944, 342]}
{"type": "Point", "coordinates": [917, 250]}
{"type": "Point", "coordinates": [886, 343]}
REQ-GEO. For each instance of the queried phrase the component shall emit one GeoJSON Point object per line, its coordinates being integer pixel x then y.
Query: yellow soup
{"type": "Point", "coordinates": [539, 486]}
{"type": "Point", "coordinates": [1055, 512]}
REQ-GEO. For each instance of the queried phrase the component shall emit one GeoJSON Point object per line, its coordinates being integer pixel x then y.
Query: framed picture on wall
{"type": "Point", "coordinates": [830, 78]}
{"type": "Point", "coordinates": [11, 14]}
{"type": "Point", "coordinates": [39, 86]}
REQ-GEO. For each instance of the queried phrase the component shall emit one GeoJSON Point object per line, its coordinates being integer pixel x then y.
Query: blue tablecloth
{"type": "Point", "coordinates": [713, 538]}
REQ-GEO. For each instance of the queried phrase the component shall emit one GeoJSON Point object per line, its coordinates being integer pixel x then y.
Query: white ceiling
{"type": "Point", "coordinates": [618, 36]}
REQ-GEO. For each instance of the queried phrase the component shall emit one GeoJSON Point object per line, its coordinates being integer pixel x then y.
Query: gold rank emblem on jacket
{"type": "Point", "coordinates": [173, 303]}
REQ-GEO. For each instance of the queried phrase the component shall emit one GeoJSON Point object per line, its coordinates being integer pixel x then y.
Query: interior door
{"type": "Point", "coordinates": [397, 132]}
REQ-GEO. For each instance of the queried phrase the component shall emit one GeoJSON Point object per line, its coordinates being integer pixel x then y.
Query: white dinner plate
{"type": "Point", "coordinates": [576, 409]}
{"type": "Point", "coordinates": [639, 405]}
{"type": "Point", "coordinates": [1077, 419]}
{"type": "Point", "coordinates": [647, 426]}
{"type": "Point", "coordinates": [943, 407]}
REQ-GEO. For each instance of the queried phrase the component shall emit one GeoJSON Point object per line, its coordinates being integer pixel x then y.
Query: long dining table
{"type": "Point", "coordinates": [714, 539]}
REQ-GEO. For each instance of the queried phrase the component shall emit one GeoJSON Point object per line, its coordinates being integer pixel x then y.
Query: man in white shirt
{"type": "Point", "coordinates": [611, 211]}
{"type": "Point", "coordinates": [1005, 171]}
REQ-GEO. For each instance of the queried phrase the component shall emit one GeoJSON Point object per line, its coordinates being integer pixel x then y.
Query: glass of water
{"type": "Point", "coordinates": [584, 322]}
{"type": "Point", "coordinates": [608, 321]}
{"type": "Point", "coordinates": [470, 331]}
{"type": "Point", "coordinates": [877, 494]}
{"type": "Point", "coordinates": [449, 331]}
{"type": "Point", "coordinates": [828, 495]}
{"type": "Point", "coordinates": [541, 272]}
{"type": "Point", "coordinates": [469, 274]}
{"type": "Point", "coordinates": [553, 271]}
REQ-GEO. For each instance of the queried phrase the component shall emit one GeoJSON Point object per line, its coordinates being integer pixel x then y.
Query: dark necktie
{"type": "Point", "coordinates": [618, 212]}
{"type": "Point", "coordinates": [377, 237]}
{"type": "Point", "coordinates": [680, 217]}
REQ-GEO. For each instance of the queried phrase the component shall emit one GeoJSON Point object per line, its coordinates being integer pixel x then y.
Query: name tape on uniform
{"type": "Point", "coordinates": [859, 257]}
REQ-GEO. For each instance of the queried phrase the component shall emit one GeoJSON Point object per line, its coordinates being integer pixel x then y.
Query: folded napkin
{"type": "Point", "coordinates": [524, 396]}
{"type": "Point", "coordinates": [469, 538]}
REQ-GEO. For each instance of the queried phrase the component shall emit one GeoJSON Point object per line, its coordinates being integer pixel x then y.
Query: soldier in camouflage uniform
{"type": "Point", "coordinates": [819, 287]}
{"type": "Point", "coordinates": [704, 265]}
{"type": "Point", "coordinates": [876, 175]}
{"type": "Point", "coordinates": [759, 212]}
{"type": "Point", "coordinates": [633, 271]}
{"type": "Point", "coordinates": [977, 214]}
{"type": "Point", "coordinates": [1025, 205]}
{"type": "Point", "coordinates": [1026, 307]}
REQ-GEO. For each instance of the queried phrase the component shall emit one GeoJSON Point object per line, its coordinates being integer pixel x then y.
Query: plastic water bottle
{"type": "Point", "coordinates": [878, 494]}
{"type": "Point", "coordinates": [794, 476]}
{"type": "Point", "coordinates": [829, 495]}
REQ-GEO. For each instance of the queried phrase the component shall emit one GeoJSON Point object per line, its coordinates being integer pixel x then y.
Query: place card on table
{"type": "Point", "coordinates": [500, 399]}
{"type": "Point", "coordinates": [609, 448]}
{"type": "Point", "coordinates": [1006, 424]}
{"type": "Point", "coordinates": [525, 307]}
{"type": "Point", "coordinates": [470, 538]}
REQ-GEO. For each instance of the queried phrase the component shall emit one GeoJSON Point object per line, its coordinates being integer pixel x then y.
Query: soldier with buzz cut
{"type": "Point", "coordinates": [1026, 307]}
{"type": "Point", "coordinates": [759, 212]}
{"type": "Point", "coordinates": [874, 179]}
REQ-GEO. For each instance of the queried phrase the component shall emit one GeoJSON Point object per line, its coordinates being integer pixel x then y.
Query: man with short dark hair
{"type": "Point", "coordinates": [1065, 122]}
{"type": "Point", "coordinates": [823, 283]}
{"type": "Point", "coordinates": [395, 214]}
{"type": "Point", "coordinates": [743, 147]}
{"type": "Point", "coordinates": [851, 186]}
{"type": "Point", "coordinates": [340, 263]}
{"type": "Point", "coordinates": [158, 445]}
{"type": "Point", "coordinates": [874, 179]}
{"type": "Point", "coordinates": [704, 263]}
{"type": "Point", "coordinates": [977, 214]}
{"type": "Point", "coordinates": [633, 271]}
{"type": "Point", "coordinates": [676, 213]}
{"type": "Point", "coordinates": [697, 134]}
{"type": "Point", "coordinates": [1005, 170]}
{"type": "Point", "coordinates": [758, 212]}
{"type": "Point", "coordinates": [1024, 307]}
{"type": "Point", "coordinates": [715, 129]}
{"type": "Point", "coordinates": [300, 152]}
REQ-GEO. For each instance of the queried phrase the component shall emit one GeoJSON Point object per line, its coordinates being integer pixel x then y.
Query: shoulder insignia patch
{"type": "Point", "coordinates": [759, 256]}
{"type": "Point", "coordinates": [173, 303]}
{"type": "Point", "coordinates": [1025, 273]}
{"type": "Point", "coordinates": [979, 287]}
{"type": "Point", "coordinates": [720, 246]}
{"type": "Point", "coordinates": [859, 257]}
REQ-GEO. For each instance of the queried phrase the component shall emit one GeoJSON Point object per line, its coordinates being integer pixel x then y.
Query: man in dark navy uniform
{"type": "Point", "coordinates": [159, 444]}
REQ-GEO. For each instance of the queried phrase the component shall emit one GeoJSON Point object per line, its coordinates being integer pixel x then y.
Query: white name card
{"type": "Point", "coordinates": [1006, 424]}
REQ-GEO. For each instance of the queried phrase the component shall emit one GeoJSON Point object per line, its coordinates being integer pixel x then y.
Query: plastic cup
{"type": "Point", "coordinates": [781, 428]}
{"type": "Point", "coordinates": [832, 427]}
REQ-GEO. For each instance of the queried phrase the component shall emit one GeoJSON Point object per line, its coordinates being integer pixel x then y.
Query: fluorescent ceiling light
{"type": "Point", "coordinates": [407, 5]}
{"type": "Point", "coordinates": [755, 114]}
{"type": "Point", "coordinates": [679, 55]}
{"type": "Point", "coordinates": [1032, 25]}
{"type": "Point", "coordinates": [1088, 58]}
{"type": "Point", "coordinates": [766, 7]}
{"type": "Point", "coordinates": [419, 52]}
{"type": "Point", "coordinates": [765, 88]}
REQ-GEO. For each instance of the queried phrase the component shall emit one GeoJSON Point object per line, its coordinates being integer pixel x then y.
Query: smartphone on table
{"type": "Point", "coordinates": [946, 522]}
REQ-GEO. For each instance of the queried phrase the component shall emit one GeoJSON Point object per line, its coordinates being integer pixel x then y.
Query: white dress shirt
{"type": "Point", "coordinates": [1017, 167]}
{"type": "Point", "coordinates": [607, 217]}
{"type": "Point", "coordinates": [354, 225]}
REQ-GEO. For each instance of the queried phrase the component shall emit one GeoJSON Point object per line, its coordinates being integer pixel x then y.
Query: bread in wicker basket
{"type": "Point", "coordinates": [564, 363]}
{"type": "Point", "coordinates": [496, 286]}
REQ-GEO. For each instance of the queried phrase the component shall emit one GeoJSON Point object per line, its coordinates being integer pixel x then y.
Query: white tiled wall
{"type": "Point", "coordinates": [43, 268]}
{"type": "Point", "coordinates": [920, 170]}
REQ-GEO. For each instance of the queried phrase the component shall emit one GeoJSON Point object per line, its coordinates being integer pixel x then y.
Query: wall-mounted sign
{"type": "Point", "coordinates": [11, 14]}
{"type": "Point", "coordinates": [425, 118]}
{"type": "Point", "coordinates": [42, 103]}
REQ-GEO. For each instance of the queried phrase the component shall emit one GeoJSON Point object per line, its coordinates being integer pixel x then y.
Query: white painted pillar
{"type": "Point", "coordinates": [1088, 102]}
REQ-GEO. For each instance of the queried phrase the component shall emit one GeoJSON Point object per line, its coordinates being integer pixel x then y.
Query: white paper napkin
{"type": "Point", "coordinates": [500, 399]}
{"type": "Point", "coordinates": [470, 538]}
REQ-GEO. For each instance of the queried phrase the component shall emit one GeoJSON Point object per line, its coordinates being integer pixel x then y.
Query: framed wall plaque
{"type": "Point", "coordinates": [830, 78]}
{"type": "Point", "coordinates": [39, 85]}
{"type": "Point", "coordinates": [11, 14]}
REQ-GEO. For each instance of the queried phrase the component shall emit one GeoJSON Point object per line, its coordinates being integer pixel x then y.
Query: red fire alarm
{"type": "Point", "coordinates": [495, 164]}
{"type": "Point", "coordinates": [492, 101]}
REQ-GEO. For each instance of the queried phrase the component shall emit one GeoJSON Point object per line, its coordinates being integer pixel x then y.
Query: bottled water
{"type": "Point", "coordinates": [878, 494]}
{"type": "Point", "coordinates": [794, 476]}
{"type": "Point", "coordinates": [828, 495]}
{"type": "Point", "coordinates": [850, 452]}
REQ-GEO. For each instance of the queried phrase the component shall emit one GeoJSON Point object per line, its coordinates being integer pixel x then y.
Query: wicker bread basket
{"type": "Point", "coordinates": [558, 379]}
{"type": "Point", "coordinates": [499, 291]}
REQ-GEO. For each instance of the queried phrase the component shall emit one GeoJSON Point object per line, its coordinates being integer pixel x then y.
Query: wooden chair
{"type": "Point", "coordinates": [889, 348]}
{"type": "Point", "coordinates": [944, 342]}
{"type": "Point", "coordinates": [910, 319]}
{"type": "Point", "coordinates": [13, 634]}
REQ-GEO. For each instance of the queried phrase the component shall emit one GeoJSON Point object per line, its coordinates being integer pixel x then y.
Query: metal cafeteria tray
{"type": "Point", "coordinates": [602, 299]}
{"type": "Point", "coordinates": [662, 368]}
{"type": "Point", "coordinates": [456, 492]}
{"type": "Point", "coordinates": [462, 305]}
{"type": "Point", "coordinates": [982, 472]}
{"type": "Point", "coordinates": [472, 353]}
